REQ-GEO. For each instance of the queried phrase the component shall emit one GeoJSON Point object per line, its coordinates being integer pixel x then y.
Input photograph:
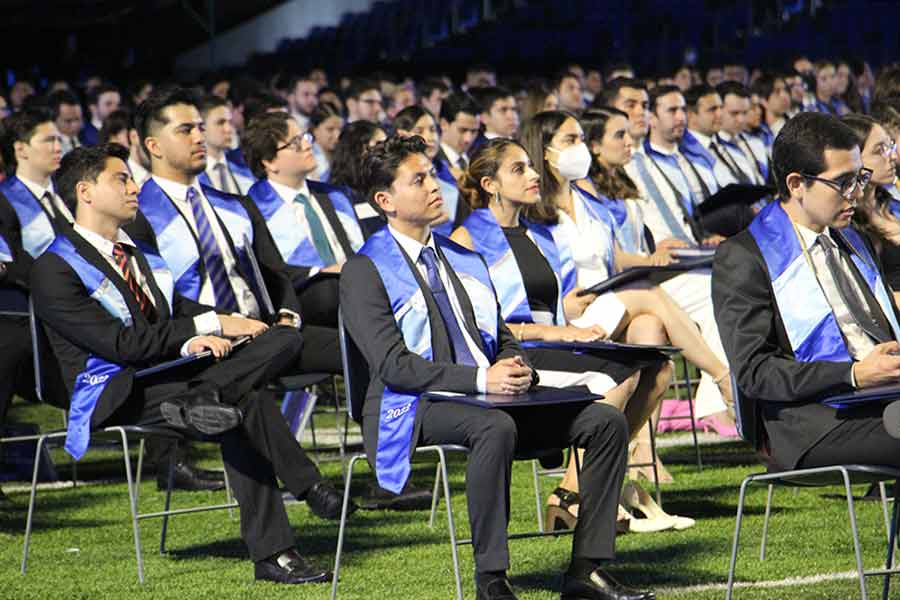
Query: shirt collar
{"type": "Point", "coordinates": [288, 194]}
{"type": "Point", "coordinates": [103, 245]}
{"type": "Point", "coordinates": [809, 236]}
{"type": "Point", "coordinates": [177, 191]}
{"type": "Point", "coordinates": [212, 162]}
{"type": "Point", "coordinates": [491, 135]}
{"type": "Point", "coordinates": [413, 248]}
{"type": "Point", "coordinates": [662, 151]}
{"type": "Point", "coordinates": [727, 137]}
{"type": "Point", "coordinates": [451, 154]}
{"type": "Point", "coordinates": [705, 140]}
{"type": "Point", "coordinates": [35, 188]}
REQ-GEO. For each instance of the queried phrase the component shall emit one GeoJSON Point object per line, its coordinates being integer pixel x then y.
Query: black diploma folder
{"type": "Point", "coordinates": [652, 274]}
{"type": "Point", "coordinates": [881, 393]}
{"type": "Point", "coordinates": [535, 397]}
{"type": "Point", "coordinates": [734, 193]}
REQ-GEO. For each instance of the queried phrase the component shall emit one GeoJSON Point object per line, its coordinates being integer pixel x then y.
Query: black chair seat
{"type": "Point", "coordinates": [857, 474]}
{"type": "Point", "coordinates": [292, 383]}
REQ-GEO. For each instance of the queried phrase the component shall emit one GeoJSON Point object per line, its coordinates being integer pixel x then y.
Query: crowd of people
{"type": "Point", "coordinates": [458, 228]}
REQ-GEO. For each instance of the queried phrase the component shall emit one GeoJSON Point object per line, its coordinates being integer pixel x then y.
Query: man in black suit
{"type": "Point", "coordinates": [460, 123]}
{"type": "Point", "coordinates": [441, 335]}
{"type": "Point", "coordinates": [803, 309]}
{"type": "Point", "coordinates": [106, 314]}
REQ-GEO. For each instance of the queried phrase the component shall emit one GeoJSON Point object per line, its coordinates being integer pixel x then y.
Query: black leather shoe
{"type": "Point", "coordinates": [289, 567]}
{"type": "Point", "coordinates": [496, 589]}
{"type": "Point", "coordinates": [189, 479]}
{"type": "Point", "coordinates": [411, 498]}
{"type": "Point", "coordinates": [325, 502]}
{"type": "Point", "coordinates": [599, 585]}
{"type": "Point", "coordinates": [203, 412]}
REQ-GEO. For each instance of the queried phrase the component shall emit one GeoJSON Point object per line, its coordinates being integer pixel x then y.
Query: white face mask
{"type": "Point", "coordinates": [574, 162]}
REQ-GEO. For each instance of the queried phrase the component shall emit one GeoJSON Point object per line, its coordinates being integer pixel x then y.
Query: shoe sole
{"type": "Point", "coordinates": [398, 505]}
{"type": "Point", "coordinates": [323, 578]}
{"type": "Point", "coordinates": [209, 420]}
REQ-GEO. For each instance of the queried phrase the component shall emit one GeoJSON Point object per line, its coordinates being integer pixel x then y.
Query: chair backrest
{"type": "Point", "coordinates": [356, 371]}
{"type": "Point", "coordinates": [13, 302]}
{"type": "Point", "coordinates": [746, 412]}
{"type": "Point", "coordinates": [48, 379]}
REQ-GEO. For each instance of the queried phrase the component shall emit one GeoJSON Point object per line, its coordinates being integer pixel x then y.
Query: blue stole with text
{"type": "Point", "coordinates": [811, 326]}
{"type": "Point", "coordinates": [450, 194]}
{"type": "Point", "coordinates": [398, 410]}
{"type": "Point", "coordinates": [37, 230]}
{"type": "Point", "coordinates": [490, 241]}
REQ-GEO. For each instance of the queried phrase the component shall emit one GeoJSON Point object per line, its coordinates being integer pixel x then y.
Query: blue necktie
{"type": "Point", "coordinates": [454, 332]}
{"type": "Point", "coordinates": [212, 257]}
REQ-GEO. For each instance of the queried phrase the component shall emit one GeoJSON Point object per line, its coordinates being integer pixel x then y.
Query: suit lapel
{"type": "Point", "coordinates": [331, 215]}
{"type": "Point", "coordinates": [161, 302]}
{"type": "Point", "coordinates": [871, 301]}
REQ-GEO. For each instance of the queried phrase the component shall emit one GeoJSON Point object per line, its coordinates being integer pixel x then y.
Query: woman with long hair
{"type": "Point", "coordinates": [354, 141]}
{"type": "Point", "coordinates": [534, 278]}
{"type": "Point", "coordinates": [325, 123]}
{"type": "Point", "coordinates": [538, 98]}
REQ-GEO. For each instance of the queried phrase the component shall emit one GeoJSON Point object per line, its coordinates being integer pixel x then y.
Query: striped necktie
{"type": "Point", "coordinates": [212, 256]}
{"type": "Point", "coordinates": [121, 256]}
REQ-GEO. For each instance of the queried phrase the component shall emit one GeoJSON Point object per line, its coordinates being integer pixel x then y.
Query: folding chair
{"type": "Point", "coordinates": [845, 475]}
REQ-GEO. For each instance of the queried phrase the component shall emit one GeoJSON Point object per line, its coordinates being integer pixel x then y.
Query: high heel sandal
{"type": "Point", "coordinates": [637, 499]}
{"type": "Point", "coordinates": [558, 517]}
{"type": "Point", "coordinates": [646, 472]}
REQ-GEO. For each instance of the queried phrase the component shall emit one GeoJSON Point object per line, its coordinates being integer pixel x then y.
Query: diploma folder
{"type": "Point", "coordinates": [186, 360]}
{"type": "Point", "coordinates": [734, 193]}
{"type": "Point", "coordinates": [882, 393]}
{"type": "Point", "coordinates": [600, 346]}
{"type": "Point", "coordinates": [537, 396]}
{"type": "Point", "coordinates": [264, 297]}
{"type": "Point", "coordinates": [652, 274]}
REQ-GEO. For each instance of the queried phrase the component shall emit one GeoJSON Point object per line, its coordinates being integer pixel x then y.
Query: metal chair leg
{"type": "Point", "coordinates": [737, 537]}
{"type": "Point", "coordinates": [892, 536]}
{"type": "Point", "coordinates": [343, 525]}
{"type": "Point", "coordinates": [882, 490]}
{"type": "Point", "coordinates": [29, 520]}
{"type": "Point", "coordinates": [435, 497]}
{"type": "Point", "coordinates": [765, 531]}
{"type": "Point", "coordinates": [139, 470]}
{"type": "Point", "coordinates": [170, 482]}
{"type": "Point", "coordinates": [450, 525]}
{"type": "Point", "coordinates": [855, 532]}
{"type": "Point", "coordinates": [229, 498]}
{"type": "Point", "coordinates": [537, 495]}
{"type": "Point", "coordinates": [132, 500]}
{"type": "Point", "coordinates": [342, 446]}
{"type": "Point", "coordinates": [653, 460]}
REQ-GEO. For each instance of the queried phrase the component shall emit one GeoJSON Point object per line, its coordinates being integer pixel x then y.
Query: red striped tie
{"type": "Point", "coordinates": [121, 257]}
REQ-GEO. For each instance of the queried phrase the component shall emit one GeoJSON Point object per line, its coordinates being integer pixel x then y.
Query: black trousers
{"type": "Point", "coordinates": [861, 438]}
{"type": "Point", "coordinates": [319, 302]}
{"type": "Point", "coordinates": [495, 436]}
{"type": "Point", "coordinates": [16, 368]}
{"type": "Point", "coordinates": [255, 453]}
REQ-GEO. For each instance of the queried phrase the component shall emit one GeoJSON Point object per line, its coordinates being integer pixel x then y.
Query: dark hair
{"type": "Point", "coordinates": [535, 135]}
{"type": "Point", "coordinates": [764, 85]}
{"type": "Point", "coordinates": [459, 102]}
{"type": "Point", "coordinates": [887, 84]}
{"type": "Point", "coordinates": [95, 93]}
{"type": "Point", "coordinates": [613, 87]}
{"type": "Point", "coordinates": [660, 91]}
{"type": "Point", "coordinates": [149, 113]}
{"type": "Point", "coordinates": [693, 94]}
{"type": "Point", "coordinates": [241, 88]}
{"type": "Point", "coordinates": [262, 103]}
{"type": "Point", "coordinates": [261, 139]}
{"type": "Point", "coordinates": [486, 97]}
{"type": "Point", "coordinates": [560, 77]}
{"type": "Point", "coordinates": [20, 127]}
{"type": "Point", "coordinates": [407, 118]}
{"type": "Point", "coordinates": [379, 165]}
{"type": "Point", "coordinates": [862, 125]}
{"type": "Point", "coordinates": [348, 153]}
{"type": "Point", "coordinates": [485, 163]}
{"type": "Point", "coordinates": [117, 122]}
{"type": "Point", "coordinates": [616, 66]}
{"type": "Point", "coordinates": [733, 88]}
{"type": "Point", "coordinates": [60, 97]}
{"type": "Point", "coordinates": [887, 112]}
{"type": "Point", "coordinates": [618, 184]}
{"type": "Point", "coordinates": [534, 100]}
{"type": "Point", "coordinates": [427, 87]}
{"type": "Point", "coordinates": [322, 112]}
{"type": "Point", "coordinates": [209, 103]}
{"type": "Point", "coordinates": [84, 163]}
{"type": "Point", "coordinates": [359, 87]}
{"type": "Point", "coordinates": [801, 144]}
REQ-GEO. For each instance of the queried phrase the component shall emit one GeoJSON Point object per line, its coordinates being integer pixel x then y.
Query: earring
{"type": "Point", "coordinates": [497, 197]}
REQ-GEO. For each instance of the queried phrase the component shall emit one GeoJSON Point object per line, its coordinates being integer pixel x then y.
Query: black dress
{"type": "Point", "coordinates": [890, 262]}
{"type": "Point", "coordinates": [542, 291]}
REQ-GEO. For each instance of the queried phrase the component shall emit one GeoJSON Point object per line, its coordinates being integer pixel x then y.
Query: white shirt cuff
{"type": "Point", "coordinates": [284, 312]}
{"type": "Point", "coordinates": [184, 347]}
{"type": "Point", "coordinates": [481, 380]}
{"type": "Point", "coordinates": [208, 324]}
{"type": "Point", "coordinates": [313, 271]}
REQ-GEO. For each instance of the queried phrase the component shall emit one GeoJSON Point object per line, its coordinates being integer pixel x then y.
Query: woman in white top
{"type": "Point", "coordinates": [325, 123]}
{"type": "Point", "coordinates": [584, 225]}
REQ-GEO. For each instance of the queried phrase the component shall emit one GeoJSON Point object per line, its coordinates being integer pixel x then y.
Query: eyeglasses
{"type": "Point", "coordinates": [296, 142]}
{"type": "Point", "coordinates": [848, 186]}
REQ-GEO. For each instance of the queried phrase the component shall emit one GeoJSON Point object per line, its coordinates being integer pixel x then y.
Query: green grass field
{"type": "Point", "coordinates": [82, 545]}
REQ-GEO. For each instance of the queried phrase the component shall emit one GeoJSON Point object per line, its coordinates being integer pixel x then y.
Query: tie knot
{"type": "Point", "coordinates": [301, 198]}
{"type": "Point", "coordinates": [825, 241]}
{"type": "Point", "coordinates": [428, 256]}
{"type": "Point", "coordinates": [191, 195]}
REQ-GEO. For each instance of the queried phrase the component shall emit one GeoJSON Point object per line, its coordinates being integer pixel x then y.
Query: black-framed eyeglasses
{"type": "Point", "coordinates": [848, 186]}
{"type": "Point", "coordinates": [296, 142]}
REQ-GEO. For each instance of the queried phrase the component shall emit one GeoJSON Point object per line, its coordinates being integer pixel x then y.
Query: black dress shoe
{"type": "Point", "coordinates": [325, 502]}
{"type": "Point", "coordinates": [289, 567]}
{"type": "Point", "coordinates": [599, 585]}
{"type": "Point", "coordinates": [496, 589]}
{"type": "Point", "coordinates": [187, 478]}
{"type": "Point", "coordinates": [208, 474]}
{"type": "Point", "coordinates": [203, 412]}
{"type": "Point", "coordinates": [411, 498]}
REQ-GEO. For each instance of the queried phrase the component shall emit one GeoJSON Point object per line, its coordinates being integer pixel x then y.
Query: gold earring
{"type": "Point", "coordinates": [497, 197]}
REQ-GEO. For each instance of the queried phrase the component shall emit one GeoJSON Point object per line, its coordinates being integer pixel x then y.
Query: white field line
{"type": "Point", "coordinates": [789, 582]}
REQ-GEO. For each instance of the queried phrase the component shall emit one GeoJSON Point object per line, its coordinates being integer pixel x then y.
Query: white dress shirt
{"type": "Point", "coordinates": [859, 344]}
{"type": "Point", "coordinates": [204, 324]}
{"type": "Point", "coordinates": [55, 206]}
{"type": "Point", "coordinates": [245, 299]}
{"type": "Point", "coordinates": [721, 171]}
{"type": "Point", "coordinates": [212, 170]}
{"type": "Point", "coordinates": [288, 195]}
{"type": "Point", "coordinates": [413, 249]}
{"type": "Point", "coordinates": [453, 156]}
{"type": "Point", "coordinates": [138, 173]}
{"type": "Point", "coordinates": [741, 158]}
{"type": "Point", "coordinates": [652, 216]}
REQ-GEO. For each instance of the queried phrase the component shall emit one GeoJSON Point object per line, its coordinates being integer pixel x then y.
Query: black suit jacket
{"type": "Point", "coordinates": [11, 229]}
{"type": "Point", "coordinates": [77, 326]}
{"type": "Point", "coordinates": [370, 322]}
{"type": "Point", "coordinates": [271, 264]}
{"type": "Point", "coordinates": [777, 391]}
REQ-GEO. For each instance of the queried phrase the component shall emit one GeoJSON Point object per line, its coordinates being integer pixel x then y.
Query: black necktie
{"type": "Point", "coordinates": [461, 352]}
{"type": "Point", "coordinates": [724, 156]}
{"type": "Point", "coordinates": [861, 313]}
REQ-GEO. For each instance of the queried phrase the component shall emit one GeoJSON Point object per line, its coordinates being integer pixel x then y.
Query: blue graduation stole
{"type": "Point", "coordinates": [674, 224]}
{"type": "Point", "coordinates": [174, 235]}
{"type": "Point", "coordinates": [398, 410]}
{"type": "Point", "coordinates": [599, 212]}
{"type": "Point", "coordinates": [490, 241]}
{"type": "Point", "coordinates": [701, 159]}
{"type": "Point", "coordinates": [343, 208]}
{"type": "Point", "coordinates": [669, 165]}
{"type": "Point", "coordinates": [37, 230]}
{"type": "Point", "coordinates": [5, 252]}
{"type": "Point", "coordinates": [810, 323]}
{"type": "Point", "coordinates": [92, 381]}
{"type": "Point", "coordinates": [629, 226]}
{"type": "Point", "coordinates": [239, 169]}
{"type": "Point", "coordinates": [450, 194]}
